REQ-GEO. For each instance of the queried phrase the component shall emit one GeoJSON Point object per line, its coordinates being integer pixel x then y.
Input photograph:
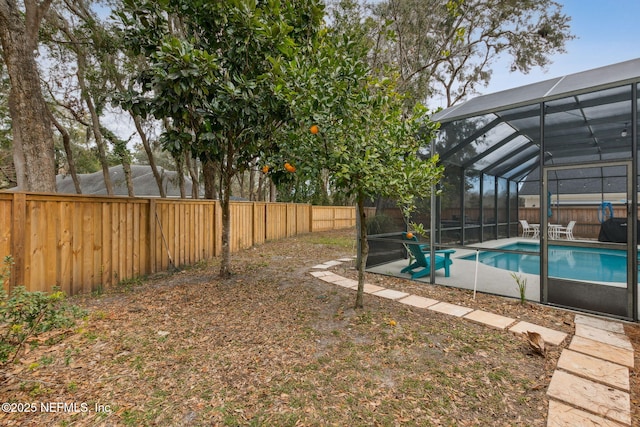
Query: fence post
{"type": "Point", "coordinates": [152, 236]}
{"type": "Point", "coordinates": [19, 215]}
{"type": "Point", "coordinates": [254, 225]}
{"type": "Point", "coordinates": [217, 220]}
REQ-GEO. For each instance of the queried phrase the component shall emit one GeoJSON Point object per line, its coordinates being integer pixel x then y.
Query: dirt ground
{"type": "Point", "coordinates": [275, 346]}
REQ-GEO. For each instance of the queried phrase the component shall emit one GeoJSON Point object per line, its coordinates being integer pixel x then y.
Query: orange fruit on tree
{"type": "Point", "coordinates": [289, 167]}
{"type": "Point", "coordinates": [265, 169]}
{"type": "Point", "coordinates": [314, 129]}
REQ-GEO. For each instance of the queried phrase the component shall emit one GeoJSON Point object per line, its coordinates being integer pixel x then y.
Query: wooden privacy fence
{"type": "Point", "coordinates": [79, 243]}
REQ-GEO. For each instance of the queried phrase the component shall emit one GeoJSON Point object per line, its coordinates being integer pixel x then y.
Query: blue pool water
{"type": "Point", "coordinates": [588, 264]}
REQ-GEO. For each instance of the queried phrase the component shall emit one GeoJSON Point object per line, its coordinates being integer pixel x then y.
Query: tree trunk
{"type": "Point", "coordinates": [195, 183]}
{"type": "Point", "coordinates": [272, 191]}
{"type": "Point", "coordinates": [226, 173]}
{"type": "Point", "coordinates": [252, 182]}
{"type": "Point", "coordinates": [95, 123]}
{"type": "Point", "coordinates": [179, 158]}
{"type": "Point", "coordinates": [260, 191]}
{"type": "Point", "coordinates": [209, 178]}
{"type": "Point", "coordinates": [128, 176]}
{"type": "Point", "coordinates": [31, 126]}
{"type": "Point", "coordinates": [147, 149]}
{"type": "Point", "coordinates": [19, 161]}
{"type": "Point", "coordinates": [241, 182]}
{"type": "Point", "coordinates": [66, 142]}
{"type": "Point", "coordinates": [364, 251]}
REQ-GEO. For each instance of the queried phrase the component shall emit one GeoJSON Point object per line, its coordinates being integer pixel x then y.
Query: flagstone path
{"type": "Point", "coordinates": [590, 386]}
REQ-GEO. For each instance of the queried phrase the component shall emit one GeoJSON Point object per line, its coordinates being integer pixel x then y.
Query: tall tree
{"type": "Point", "coordinates": [76, 36]}
{"type": "Point", "coordinates": [209, 74]}
{"type": "Point", "coordinates": [33, 153]}
{"type": "Point", "coordinates": [447, 48]}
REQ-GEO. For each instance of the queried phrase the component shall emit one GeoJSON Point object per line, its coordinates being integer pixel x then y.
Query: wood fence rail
{"type": "Point", "coordinates": [78, 243]}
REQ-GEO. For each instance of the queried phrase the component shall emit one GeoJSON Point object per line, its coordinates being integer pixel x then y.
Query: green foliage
{"type": "Point", "coordinates": [209, 77]}
{"type": "Point", "coordinates": [212, 79]}
{"type": "Point", "coordinates": [367, 143]}
{"type": "Point", "coordinates": [24, 315]}
{"type": "Point", "coordinates": [5, 270]}
{"type": "Point", "coordinates": [369, 146]}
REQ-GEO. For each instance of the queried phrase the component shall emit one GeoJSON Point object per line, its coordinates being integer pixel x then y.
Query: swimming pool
{"type": "Point", "coordinates": [585, 264]}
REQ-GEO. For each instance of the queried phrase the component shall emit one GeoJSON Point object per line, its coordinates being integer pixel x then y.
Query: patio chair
{"type": "Point", "coordinates": [406, 247]}
{"type": "Point", "coordinates": [527, 230]}
{"type": "Point", "coordinates": [567, 231]}
{"type": "Point", "coordinates": [423, 260]}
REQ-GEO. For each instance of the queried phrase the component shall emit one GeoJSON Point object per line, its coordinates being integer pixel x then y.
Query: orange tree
{"type": "Point", "coordinates": [365, 141]}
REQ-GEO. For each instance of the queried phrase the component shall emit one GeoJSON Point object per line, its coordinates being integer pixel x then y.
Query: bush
{"type": "Point", "coordinates": [25, 314]}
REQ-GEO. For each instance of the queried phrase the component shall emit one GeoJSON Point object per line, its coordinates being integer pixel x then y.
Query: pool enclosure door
{"type": "Point", "coordinates": [592, 265]}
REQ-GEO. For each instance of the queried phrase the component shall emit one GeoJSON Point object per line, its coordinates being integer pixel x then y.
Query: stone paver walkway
{"type": "Point", "coordinates": [590, 386]}
{"type": "Point", "coordinates": [591, 383]}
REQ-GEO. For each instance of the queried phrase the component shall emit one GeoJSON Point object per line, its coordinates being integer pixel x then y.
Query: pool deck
{"type": "Point", "coordinates": [490, 280]}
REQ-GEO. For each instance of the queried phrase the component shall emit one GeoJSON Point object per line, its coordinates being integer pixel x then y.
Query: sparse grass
{"type": "Point", "coordinates": [127, 285]}
{"type": "Point", "coordinates": [342, 242]}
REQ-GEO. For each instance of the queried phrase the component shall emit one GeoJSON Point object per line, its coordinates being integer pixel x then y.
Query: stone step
{"type": "Point", "coordinates": [420, 302]}
{"type": "Point", "coordinates": [595, 369]}
{"type": "Point", "coordinates": [490, 319]}
{"type": "Point", "coordinates": [603, 351]}
{"type": "Point", "coordinates": [603, 336]}
{"type": "Point", "coordinates": [450, 309]}
{"type": "Point", "coordinates": [563, 415]}
{"type": "Point", "coordinates": [548, 335]}
{"type": "Point", "coordinates": [595, 322]}
{"type": "Point", "coordinates": [591, 396]}
{"type": "Point", "coordinates": [390, 294]}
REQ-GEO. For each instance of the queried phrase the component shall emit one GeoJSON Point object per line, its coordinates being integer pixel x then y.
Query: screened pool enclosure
{"type": "Point", "coordinates": [553, 164]}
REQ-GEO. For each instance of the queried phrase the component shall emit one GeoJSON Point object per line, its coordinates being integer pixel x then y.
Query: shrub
{"type": "Point", "coordinates": [25, 314]}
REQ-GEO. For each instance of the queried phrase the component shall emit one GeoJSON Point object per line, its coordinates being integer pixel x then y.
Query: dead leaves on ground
{"type": "Point", "coordinates": [275, 346]}
{"type": "Point", "coordinates": [536, 343]}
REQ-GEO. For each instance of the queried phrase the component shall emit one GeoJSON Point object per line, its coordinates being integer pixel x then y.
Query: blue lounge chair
{"type": "Point", "coordinates": [423, 260]}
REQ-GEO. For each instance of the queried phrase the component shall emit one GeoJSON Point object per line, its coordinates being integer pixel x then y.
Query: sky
{"type": "Point", "coordinates": [607, 32]}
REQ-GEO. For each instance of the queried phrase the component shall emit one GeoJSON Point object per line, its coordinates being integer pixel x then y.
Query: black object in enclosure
{"type": "Point", "coordinates": [615, 230]}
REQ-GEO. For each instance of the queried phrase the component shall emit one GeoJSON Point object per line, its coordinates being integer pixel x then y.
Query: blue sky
{"type": "Point", "coordinates": [607, 32]}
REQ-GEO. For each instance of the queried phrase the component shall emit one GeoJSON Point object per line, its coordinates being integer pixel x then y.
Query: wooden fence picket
{"type": "Point", "coordinates": [79, 243]}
